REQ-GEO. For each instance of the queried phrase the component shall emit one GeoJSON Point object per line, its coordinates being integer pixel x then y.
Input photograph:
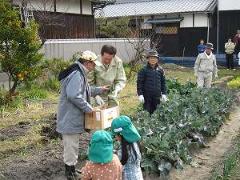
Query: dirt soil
{"type": "Point", "coordinates": [41, 164]}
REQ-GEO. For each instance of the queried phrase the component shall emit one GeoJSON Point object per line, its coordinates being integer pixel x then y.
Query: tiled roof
{"type": "Point", "coordinates": [155, 7]}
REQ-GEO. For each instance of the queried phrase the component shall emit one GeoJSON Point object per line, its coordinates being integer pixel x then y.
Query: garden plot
{"type": "Point", "coordinates": [41, 157]}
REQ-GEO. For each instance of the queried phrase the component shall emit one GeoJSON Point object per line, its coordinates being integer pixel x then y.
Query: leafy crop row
{"type": "Point", "coordinates": [184, 122]}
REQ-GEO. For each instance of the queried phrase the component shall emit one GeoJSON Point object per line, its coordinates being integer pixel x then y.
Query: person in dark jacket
{"type": "Point", "coordinates": [151, 86]}
{"type": "Point", "coordinates": [201, 47]}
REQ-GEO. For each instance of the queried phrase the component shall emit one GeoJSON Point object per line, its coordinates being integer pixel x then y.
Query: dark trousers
{"type": "Point", "coordinates": [229, 58]}
{"type": "Point", "coordinates": [151, 103]}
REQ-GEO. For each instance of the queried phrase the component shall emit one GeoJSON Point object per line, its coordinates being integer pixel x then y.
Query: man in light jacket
{"type": "Point", "coordinates": [229, 50]}
{"type": "Point", "coordinates": [73, 104]}
{"type": "Point", "coordinates": [109, 72]}
{"type": "Point", "coordinates": [205, 67]}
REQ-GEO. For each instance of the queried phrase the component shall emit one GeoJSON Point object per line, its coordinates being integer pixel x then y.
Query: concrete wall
{"type": "Point", "coordinates": [66, 48]}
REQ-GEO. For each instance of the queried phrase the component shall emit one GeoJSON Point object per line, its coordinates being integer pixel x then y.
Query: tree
{"type": "Point", "coordinates": [113, 28]}
{"type": "Point", "coordinates": [19, 47]}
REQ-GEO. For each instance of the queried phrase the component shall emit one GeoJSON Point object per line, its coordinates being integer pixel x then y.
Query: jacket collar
{"type": "Point", "coordinates": [113, 63]}
{"type": "Point", "coordinates": [208, 56]}
{"type": "Point", "coordinates": [156, 67]}
{"type": "Point", "coordinates": [83, 68]}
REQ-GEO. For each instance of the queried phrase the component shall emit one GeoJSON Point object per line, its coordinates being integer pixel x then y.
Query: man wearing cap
{"type": "Point", "coordinates": [205, 68]}
{"type": "Point", "coordinates": [151, 86]}
{"type": "Point", "coordinates": [109, 72]}
{"type": "Point", "coordinates": [73, 104]}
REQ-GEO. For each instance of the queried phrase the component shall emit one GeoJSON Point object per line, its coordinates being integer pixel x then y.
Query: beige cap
{"type": "Point", "coordinates": [89, 56]}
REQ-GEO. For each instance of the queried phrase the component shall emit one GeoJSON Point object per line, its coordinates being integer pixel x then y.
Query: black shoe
{"type": "Point", "coordinates": [75, 172]}
{"type": "Point", "coordinates": [71, 173]}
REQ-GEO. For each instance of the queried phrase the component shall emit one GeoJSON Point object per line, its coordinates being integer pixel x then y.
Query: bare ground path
{"type": "Point", "coordinates": [207, 159]}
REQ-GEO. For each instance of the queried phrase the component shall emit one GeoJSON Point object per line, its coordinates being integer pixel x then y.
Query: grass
{"type": "Point", "coordinates": [128, 97]}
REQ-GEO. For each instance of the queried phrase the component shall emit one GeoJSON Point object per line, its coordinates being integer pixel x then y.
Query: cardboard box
{"type": "Point", "coordinates": [101, 119]}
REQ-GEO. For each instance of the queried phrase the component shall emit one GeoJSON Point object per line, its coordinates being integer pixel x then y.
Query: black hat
{"type": "Point", "coordinates": [209, 46]}
{"type": "Point", "coordinates": [152, 53]}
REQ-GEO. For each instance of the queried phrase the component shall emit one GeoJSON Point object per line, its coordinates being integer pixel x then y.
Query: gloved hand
{"type": "Point", "coordinates": [215, 76]}
{"type": "Point", "coordinates": [115, 92]}
{"type": "Point", "coordinates": [99, 100]}
{"type": "Point", "coordinates": [141, 98]}
{"type": "Point", "coordinates": [164, 98]}
{"type": "Point", "coordinates": [105, 88]}
{"type": "Point", "coordinates": [112, 101]}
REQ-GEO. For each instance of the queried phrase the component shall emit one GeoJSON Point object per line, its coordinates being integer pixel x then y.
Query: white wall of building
{"type": "Point", "coordinates": [187, 21]}
{"type": "Point", "coordinates": [146, 25]}
{"type": "Point", "coordinates": [87, 9]}
{"type": "Point", "coordinates": [70, 6]}
{"type": "Point", "coordinates": [228, 5]}
{"type": "Point", "coordinates": [200, 20]}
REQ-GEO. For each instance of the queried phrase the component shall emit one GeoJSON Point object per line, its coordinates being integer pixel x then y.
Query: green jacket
{"type": "Point", "coordinates": [113, 75]}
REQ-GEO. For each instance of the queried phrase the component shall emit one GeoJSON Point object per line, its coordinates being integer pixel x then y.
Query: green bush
{"type": "Point", "coordinates": [34, 93]}
{"type": "Point", "coordinates": [235, 83]}
{"type": "Point", "coordinates": [55, 66]}
{"type": "Point", "coordinates": [190, 115]}
{"type": "Point", "coordinates": [52, 85]}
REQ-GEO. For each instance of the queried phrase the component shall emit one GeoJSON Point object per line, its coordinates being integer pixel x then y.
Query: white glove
{"type": "Point", "coordinates": [141, 98]}
{"type": "Point", "coordinates": [115, 92]}
{"type": "Point", "coordinates": [164, 98]}
{"type": "Point", "coordinates": [99, 100]}
{"type": "Point", "coordinates": [215, 76]}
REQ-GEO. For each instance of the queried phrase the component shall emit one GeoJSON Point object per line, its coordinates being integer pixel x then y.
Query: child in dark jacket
{"type": "Point", "coordinates": [151, 86]}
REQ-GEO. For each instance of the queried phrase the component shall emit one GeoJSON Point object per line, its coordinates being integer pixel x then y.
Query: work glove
{"type": "Point", "coordinates": [112, 101]}
{"type": "Point", "coordinates": [105, 89]}
{"type": "Point", "coordinates": [215, 76]}
{"type": "Point", "coordinates": [141, 98]}
{"type": "Point", "coordinates": [99, 100]}
{"type": "Point", "coordinates": [115, 92]}
{"type": "Point", "coordinates": [164, 98]}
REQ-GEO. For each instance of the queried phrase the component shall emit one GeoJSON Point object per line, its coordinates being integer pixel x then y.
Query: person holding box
{"type": "Point", "coordinates": [73, 104]}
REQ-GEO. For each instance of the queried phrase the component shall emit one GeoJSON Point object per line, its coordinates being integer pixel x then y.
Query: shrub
{"type": "Point", "coordinates": [52, 84]}
{"type": "Point", "coordinates": [55, 66]}
{"type": "Point", "coordinates": [235, 83]}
